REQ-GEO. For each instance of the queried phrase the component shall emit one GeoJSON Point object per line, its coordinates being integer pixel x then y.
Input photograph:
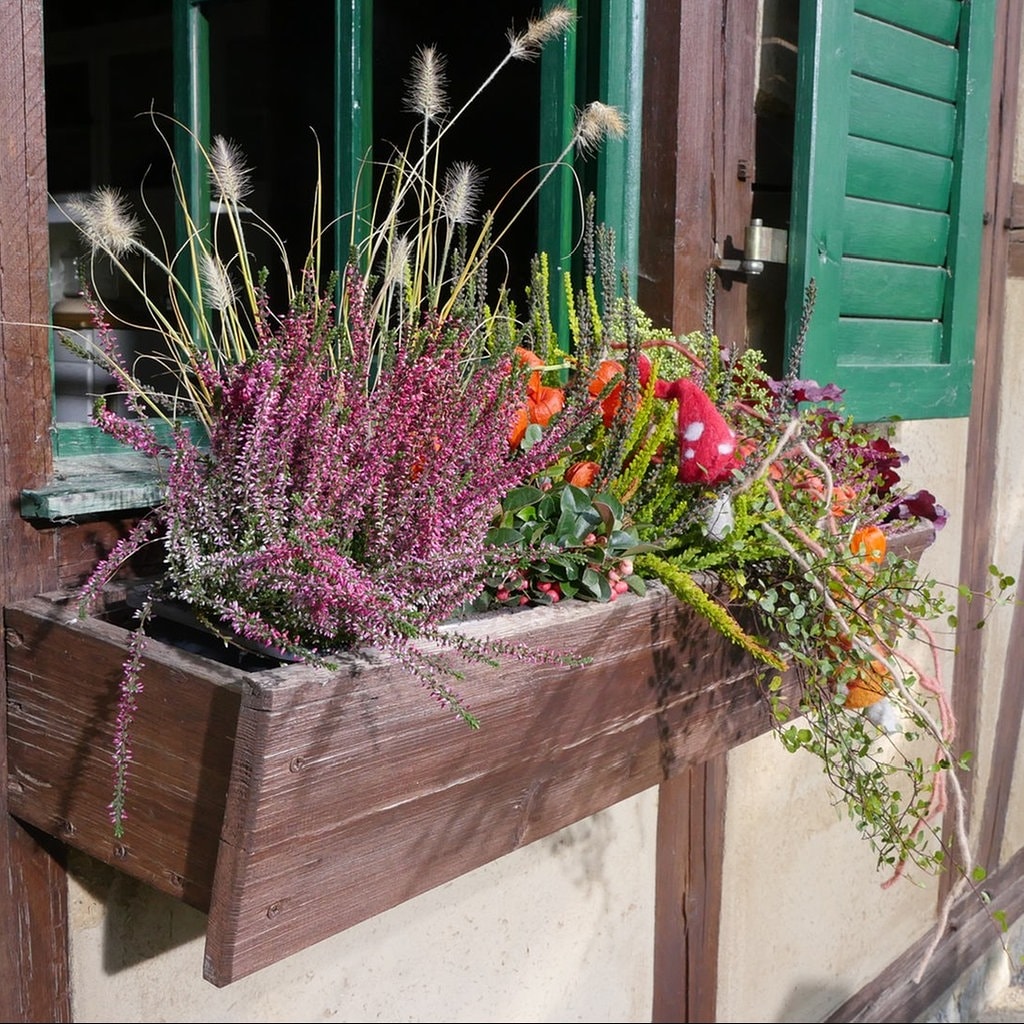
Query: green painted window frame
{"type": "Point", "coordinates": [601, 59]}
{"type": "Point", "coordinates": [892, 358]}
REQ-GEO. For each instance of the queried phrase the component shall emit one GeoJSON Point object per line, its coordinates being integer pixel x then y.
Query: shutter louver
{"type": "Point", "coordinates": [889, 179]}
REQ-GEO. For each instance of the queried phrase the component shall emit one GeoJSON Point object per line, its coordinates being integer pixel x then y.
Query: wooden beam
{"type": "Point", "coordinates": [972, 934]}
{"type": "Point", "coordinates": [688, 891]}
{"type": "Point", "coordinates": [33, 893]}
{"type": "Point", "coordinates": [698, 128]}
{"type": "Point", "coordinates": [982, 448]}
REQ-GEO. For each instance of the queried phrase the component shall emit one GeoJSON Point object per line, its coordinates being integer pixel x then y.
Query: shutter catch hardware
{"type": "Point", "coordinates": [761, 245]}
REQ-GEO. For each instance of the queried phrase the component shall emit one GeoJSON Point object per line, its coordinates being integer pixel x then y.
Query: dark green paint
{"type": "Point", "coordinates": [896, 277]}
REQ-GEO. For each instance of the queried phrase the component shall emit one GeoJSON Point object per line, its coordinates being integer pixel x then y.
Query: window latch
{"type": "Point", "coordinates": [761, 245]}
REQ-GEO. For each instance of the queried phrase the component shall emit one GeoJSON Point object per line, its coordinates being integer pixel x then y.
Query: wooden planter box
{"type": "Point", "coordinates": [290, 803]}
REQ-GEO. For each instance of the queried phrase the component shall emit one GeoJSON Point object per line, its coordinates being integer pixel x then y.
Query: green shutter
{"type": "Point", "coordinates": [620, 84]}
{"type": "Point", "coordinates": [890, 154]}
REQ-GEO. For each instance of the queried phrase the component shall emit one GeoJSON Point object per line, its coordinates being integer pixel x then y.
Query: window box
{"type": "Point", "coordinates": [293, 802]}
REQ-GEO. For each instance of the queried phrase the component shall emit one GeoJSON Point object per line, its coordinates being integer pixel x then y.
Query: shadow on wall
{"type": "Point", "coordinates": [138, 922]}
{"type": "Point", "coordinates": [811, 1000]}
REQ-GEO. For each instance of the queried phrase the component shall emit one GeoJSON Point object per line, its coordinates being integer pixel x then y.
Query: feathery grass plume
{"type": "Point", "coordinates": [230, 176]}
{"type": "Point", "coordinates": [411, 196]}
{"type": "Point", "coordinates": [397, 265]}
{"type": "Point", "coordinates": [106, 220]}
{"type": "Point", "coordinates": [427, 85]}
{"type": "Point", "coordinates": [596, 122]}
{"type": "Point", "coordinates": [461, 194]}
{"type": "Point", "coordinates": [527, 45]}
{"type": "Point", "coordinates": [218, 288]}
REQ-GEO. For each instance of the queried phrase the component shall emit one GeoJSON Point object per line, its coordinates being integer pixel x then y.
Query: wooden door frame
{"type": "Point", "coordinates": [696, 191]}
{"type": "Point", "coordinates": [34, 973]}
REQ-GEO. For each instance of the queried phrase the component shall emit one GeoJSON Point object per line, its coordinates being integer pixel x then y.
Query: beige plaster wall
{"type": "Point", "coordinates": [1010, 487]}
{"type": "Point", "coordinates": [561, 930]}
{"type": "Point", "coordinates": [806, 921]}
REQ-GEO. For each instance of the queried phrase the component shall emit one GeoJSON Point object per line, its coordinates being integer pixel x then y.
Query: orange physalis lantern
{"type": "Point", "coordinates": [582, 474]}
{"type": "Point", "coordinates": [542, 402]}
{"type": "Point", "coordinates": [869, 543]}
{"type": "Point", "coordinates": [868, 688]}
{"type": "Point", "coordinates": [608, 370]}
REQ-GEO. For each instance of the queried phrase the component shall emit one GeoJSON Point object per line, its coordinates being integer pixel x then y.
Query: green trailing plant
{"type": "Point", "coordinates": [783, 535]}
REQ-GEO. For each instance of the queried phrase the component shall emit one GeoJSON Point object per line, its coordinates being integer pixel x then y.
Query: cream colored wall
{"type": "Point", "coordinates": [1010, 522]}
{"type": "Point", "coordinates": [805, 920]}
{"type": "Point", "coordinates": [561, 930]}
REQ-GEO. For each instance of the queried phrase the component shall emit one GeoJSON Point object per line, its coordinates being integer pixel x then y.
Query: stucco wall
{"type": "Point", "coordinates": [561, 930]}
{"type": "Point", "coordinates": [1010, 506]}
{"type": "Point", "coordinates": [1008, 496]}
{"type": "Point", "coordinates": [805, 920]}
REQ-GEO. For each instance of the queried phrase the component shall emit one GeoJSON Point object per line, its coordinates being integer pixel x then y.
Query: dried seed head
{"type": "Point", "coordinates": [229, 174]}
{"type": "Point", "coordinates": [461, 193]}
{"type": "Point", "coordinates": [526, 45]}
{"type": "Point", "coordinates": [397, 262]}
{"type": "Point", "coordinates": [218, 290]}
{"type": "Point", "coordinates": [105, 218]}
{"type": "Point", "coordinates": [427, 84]}
{"type": "Point", "coordinates": [595, 122]}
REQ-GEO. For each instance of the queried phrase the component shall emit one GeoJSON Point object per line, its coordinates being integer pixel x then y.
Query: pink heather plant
{"type": "Point", "coordinates": [339, 503]}
{"type": "Point", "coordinates": [327, 513]}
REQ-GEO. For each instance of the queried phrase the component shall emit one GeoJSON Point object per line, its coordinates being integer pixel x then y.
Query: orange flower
{"type": "Point", "coordinates": [519, 425]}
{"type": "Point", "coordinates": [582, 474]}
{"type": "Point", "coordinates": [542, 402]}
{"type": "Point", "coordinates": [868, 688]}
{"type": "Point", "coordinates": [805, 480]}
{"type": "Point", "coordinates": [869, 543]}
{"type": "Point", "coordinates": [842, 497]}
{"type": "Point", "coordinates": [870, 685]}
{"type": "Point", "coordinates": [606, 373]}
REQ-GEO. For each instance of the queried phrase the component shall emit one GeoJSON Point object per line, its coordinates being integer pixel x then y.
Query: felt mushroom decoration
{"type": "Point", "coordinates": [707, 444]}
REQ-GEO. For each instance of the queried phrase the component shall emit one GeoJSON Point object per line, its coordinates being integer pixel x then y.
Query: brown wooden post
{"type": "Point", "coordinates": [33, 886]}
{"type": "Point", "coordinates": [982, 452]}
{"type": "Point", "coordinates": [698, 160]}
{"type": "Point", "coordinates": [697, 176]}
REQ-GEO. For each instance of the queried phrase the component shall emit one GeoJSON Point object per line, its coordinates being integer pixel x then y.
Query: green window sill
{"type": "Point", "coordinates": [92, 484]}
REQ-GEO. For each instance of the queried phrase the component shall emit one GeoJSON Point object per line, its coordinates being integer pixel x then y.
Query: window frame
{"type": "Point", "coordinates": [572, 74]}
